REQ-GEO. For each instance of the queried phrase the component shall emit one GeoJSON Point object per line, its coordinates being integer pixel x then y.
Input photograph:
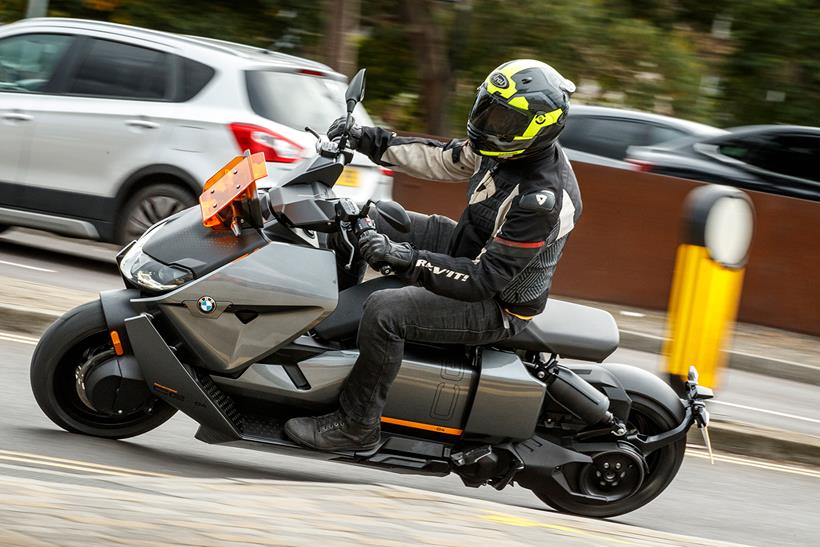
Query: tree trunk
{"type": "Point", "coordinates": [430, 45]}
{"type": "Point", "coordinates": [341, 29]}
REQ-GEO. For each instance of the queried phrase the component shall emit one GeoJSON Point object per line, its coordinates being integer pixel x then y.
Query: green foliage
{"type": "Point", "coordinates": [290, 25]}
{"type": "Point", "coordinates": [647, 54]}
{"type": "Point", "coordinates": [776, 56]}
{"type": "Point", "coordinates": [12, 10]}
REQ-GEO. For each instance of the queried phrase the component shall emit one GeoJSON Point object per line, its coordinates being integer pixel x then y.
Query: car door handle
{"type": "Point", "coordinates": [17, 117]}
{"type": "Point", "coordinates": [145, 124]}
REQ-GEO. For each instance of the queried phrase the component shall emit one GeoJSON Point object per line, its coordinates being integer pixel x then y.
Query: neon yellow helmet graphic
{"type": "Point", "coordinates": [520, 108]}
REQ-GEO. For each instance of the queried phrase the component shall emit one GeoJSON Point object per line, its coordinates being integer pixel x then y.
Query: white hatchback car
{"type": "Point", "coordinates": [106, 129]}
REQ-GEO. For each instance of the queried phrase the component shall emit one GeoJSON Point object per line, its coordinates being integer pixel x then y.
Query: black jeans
{"type": "Point", "coordinates": [392, 316]}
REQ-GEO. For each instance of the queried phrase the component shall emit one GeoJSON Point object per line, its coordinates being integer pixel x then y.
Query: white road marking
{"type": "Point", "coordinates": [643, 335]}
{"type": "Point", "coordinates": [39, 459]}
{"type": "Point", "coordinates": [632, 313]}
{"type": "Point", "coordinates": [27, 267]}
{"type": "Point", "coordinates": [32, 462]}
{"type": "Point", "coordinates": [9, 337]}
{"type": "Point", "coordinates": [737, 460]}
{"type": "Point", "coordinates": [765, 411]}
{"type": "Point", "coordinates": [38, 470]}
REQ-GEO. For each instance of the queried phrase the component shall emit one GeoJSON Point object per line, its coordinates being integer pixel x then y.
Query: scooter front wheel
{"type": "Point", "coordinates": [79, 337]}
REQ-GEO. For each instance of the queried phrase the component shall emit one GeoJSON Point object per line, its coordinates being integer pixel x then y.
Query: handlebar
{"type": "Point", "coordinates": [365, 224]}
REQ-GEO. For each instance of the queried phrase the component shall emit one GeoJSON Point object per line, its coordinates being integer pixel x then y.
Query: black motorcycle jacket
{"type": "Point", "coordinates": [509, 238]}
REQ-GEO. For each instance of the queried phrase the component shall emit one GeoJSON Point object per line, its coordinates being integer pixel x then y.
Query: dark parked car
{"type": "Point", "coordinates": [609, 132]}
{"type": "Point", "coordinates": [780, 159]}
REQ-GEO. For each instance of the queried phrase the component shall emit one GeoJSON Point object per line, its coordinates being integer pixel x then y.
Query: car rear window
{"type": "Point", "coordinates": [117, 70]}
{"type": "Point", "coordinates": [195, 76]}
{"type": "Point", "coordinates": [608, 137]}
{"type": "Point", "coordinates": [299, 100]}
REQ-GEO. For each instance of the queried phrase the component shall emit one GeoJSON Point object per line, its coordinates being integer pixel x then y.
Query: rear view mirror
{"type": "Point", "coordinates": [395, 215]}
{"type": "Point", "coordinates": [355, 90]}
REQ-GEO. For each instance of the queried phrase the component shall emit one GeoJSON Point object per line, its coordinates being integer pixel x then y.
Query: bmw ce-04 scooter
{"type": "Point", "coordinates": [232, 314]}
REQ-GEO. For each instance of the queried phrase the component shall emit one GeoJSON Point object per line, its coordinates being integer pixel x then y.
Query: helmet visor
{"type": "Point", "coordinates": [494, 118]}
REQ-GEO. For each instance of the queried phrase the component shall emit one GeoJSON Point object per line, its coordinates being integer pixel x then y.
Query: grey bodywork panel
{"type": "Point", "coordinates": [508, 398]}
{"type": "Point", "coordinates": [290, 287]}
{"type": "Point", "coordinates": [171, 380]}
{"type": "Point", "coordinates": [325, 373]}
{"type": "Point", "coordinates": [183, 240]}
{"type": "Point", "coordinates": [571, 330]}
{"type": "Point", "coordinates": [433, 387]}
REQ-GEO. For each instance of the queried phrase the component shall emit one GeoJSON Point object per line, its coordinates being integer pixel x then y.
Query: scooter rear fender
{"type": "Point", "coordinates": [639, 381]}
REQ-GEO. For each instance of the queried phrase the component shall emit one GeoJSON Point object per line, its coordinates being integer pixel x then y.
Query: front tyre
{"type": "Point", "coordinates": [646, 417]}
{"type": "Point", "coordinates": [77, 337]}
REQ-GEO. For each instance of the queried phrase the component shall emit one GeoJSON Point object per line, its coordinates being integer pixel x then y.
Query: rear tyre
{"type": "Point", "coordinates": [69, 342]}
{"type": "Point", "coordinates": [648, 418]}
{"type": "Point", "coordinates": [148, 206]}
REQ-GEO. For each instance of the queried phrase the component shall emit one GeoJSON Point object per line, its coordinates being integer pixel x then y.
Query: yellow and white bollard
{"type": "Point", "coordinates": [707, 282]}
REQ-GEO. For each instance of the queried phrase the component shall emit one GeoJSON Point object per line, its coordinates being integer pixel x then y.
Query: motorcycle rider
{"type": "Point", "coordinates": [474, 282]}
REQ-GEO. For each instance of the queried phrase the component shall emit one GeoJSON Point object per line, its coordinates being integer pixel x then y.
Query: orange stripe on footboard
{"type": "Point", "coordinates": [419, 425]}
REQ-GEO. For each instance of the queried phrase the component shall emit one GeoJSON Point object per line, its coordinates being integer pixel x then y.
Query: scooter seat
{"type": "Point", "coordinates": [570, 330]}
{"type": "Point", "coordinates": [343, 324]}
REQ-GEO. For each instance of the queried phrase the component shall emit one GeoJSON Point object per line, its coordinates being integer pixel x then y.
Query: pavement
{"type": "Point", "coordinates": [754, 494]}
{"type": "Point", "coordinates": [162, 511]}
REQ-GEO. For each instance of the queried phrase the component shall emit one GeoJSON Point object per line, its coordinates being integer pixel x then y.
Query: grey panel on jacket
{"type": "Point", "coordinates": [431, 162]}
{"type": "Point", "coordinates": [571, 330]}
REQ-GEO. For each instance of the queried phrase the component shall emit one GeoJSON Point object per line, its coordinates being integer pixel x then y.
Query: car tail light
{"type": "Point", "coordinates": [386, 172]}
{"type": "Point", "coordinates": [643, 166]}
{"type": "Point", "coordinates": [258, 139]}
{"type": "Point", "coordinates": [311, 72]}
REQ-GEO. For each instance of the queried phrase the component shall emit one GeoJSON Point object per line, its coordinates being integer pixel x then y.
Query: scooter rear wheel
{"type": "Point", "coordinates": [648, 418]}
{"type": "Point", "coordinates": [66, 345]}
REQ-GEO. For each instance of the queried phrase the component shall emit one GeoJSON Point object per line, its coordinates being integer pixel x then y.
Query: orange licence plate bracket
{"type": "Point", "coordinates": [233, 182]}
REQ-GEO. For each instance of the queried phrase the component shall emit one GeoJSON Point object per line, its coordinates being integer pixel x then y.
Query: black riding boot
{"type": "Point", "coordinates": [333, 432]}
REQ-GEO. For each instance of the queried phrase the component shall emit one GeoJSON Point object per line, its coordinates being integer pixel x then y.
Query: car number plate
{"type": "Point", "coordinates": [349, 177]}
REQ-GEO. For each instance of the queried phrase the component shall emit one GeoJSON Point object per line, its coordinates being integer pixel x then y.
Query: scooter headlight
{"type": "Point", "coordinates": [142, 270]}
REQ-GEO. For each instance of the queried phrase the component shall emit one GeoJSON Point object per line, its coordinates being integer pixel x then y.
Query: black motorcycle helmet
{"type": "Point", "coordinates": [520, 108]}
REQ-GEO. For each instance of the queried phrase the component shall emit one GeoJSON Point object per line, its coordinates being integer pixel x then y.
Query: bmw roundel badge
{"type": "Point", "coordinates": [206, 304]}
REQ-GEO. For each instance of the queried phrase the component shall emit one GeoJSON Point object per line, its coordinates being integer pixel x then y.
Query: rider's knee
{"type": "Point", "coordinates": [381, 310]}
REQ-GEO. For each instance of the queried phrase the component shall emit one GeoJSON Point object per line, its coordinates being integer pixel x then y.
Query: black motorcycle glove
{"type": "Point", "coordinates": [378, 250]}
{"type": "Point", "coordinates": [337, 129]}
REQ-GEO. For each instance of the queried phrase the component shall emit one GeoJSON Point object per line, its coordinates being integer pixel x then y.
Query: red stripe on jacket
{"type": "Point", "coordinates": [520, 244]}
